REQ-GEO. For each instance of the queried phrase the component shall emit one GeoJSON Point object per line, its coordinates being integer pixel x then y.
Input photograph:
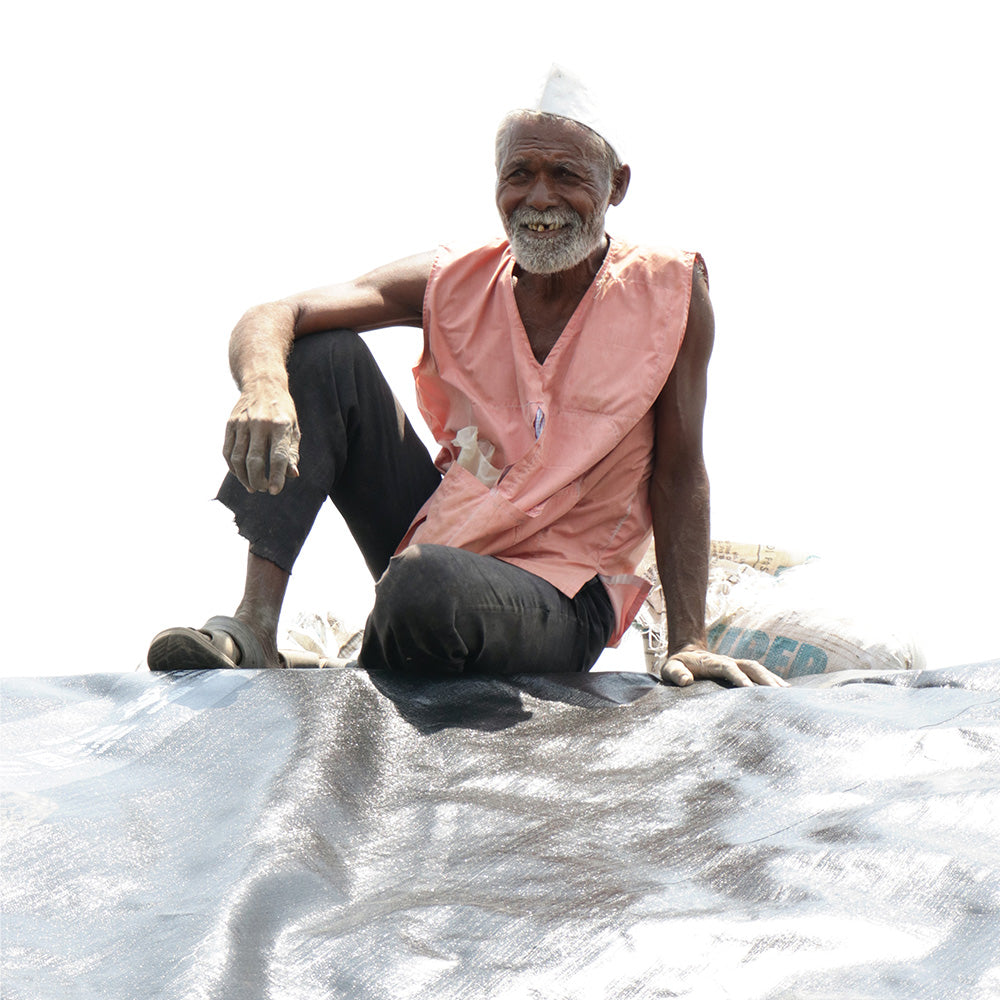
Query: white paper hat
{"type": "Point", "coordinates": [564, 94]}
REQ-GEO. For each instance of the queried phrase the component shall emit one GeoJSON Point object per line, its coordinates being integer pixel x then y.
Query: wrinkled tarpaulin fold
{"type": "Point", "coordinates": [309, 834]}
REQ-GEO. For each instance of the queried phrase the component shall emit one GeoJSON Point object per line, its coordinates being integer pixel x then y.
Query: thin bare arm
{"type": "Point", "coordinates": [680, 502]}
{"type": "Point", "coordinates": [262, 433]}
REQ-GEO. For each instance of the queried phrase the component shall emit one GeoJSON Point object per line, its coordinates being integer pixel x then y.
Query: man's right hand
{"type": "Point", "coordinates": [262, 438]}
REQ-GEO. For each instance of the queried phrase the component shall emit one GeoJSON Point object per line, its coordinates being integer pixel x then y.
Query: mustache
{"type": "Point", "coordinates": [523, 216]}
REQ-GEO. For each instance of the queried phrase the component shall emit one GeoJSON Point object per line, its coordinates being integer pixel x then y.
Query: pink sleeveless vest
{"type": "Point", "coordinates": [564, 492]}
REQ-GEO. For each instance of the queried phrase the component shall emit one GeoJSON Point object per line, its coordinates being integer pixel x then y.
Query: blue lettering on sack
{"type": "Point", "coordinates": [752, 646]}
{"type": "Point", "coordinates": [726, 642]}
{"type": "Point", "coordinates": [808, 660]}
{"type": "Point", "coordinates": [775, 654]}
{"type": "Point", "coordinates": [713, 635]}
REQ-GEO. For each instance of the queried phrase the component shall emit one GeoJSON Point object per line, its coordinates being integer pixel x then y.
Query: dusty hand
{"type": "Point", "coordinates": [262, 439]}
{"type": "Point", "coordinates": [693, 663]}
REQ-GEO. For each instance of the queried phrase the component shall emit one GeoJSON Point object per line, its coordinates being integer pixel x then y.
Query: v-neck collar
{"type": "Point", "coordinates": [573, 324]}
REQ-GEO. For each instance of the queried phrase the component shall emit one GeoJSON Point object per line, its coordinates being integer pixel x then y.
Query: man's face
{"type": "Point", "coordinates": [553, 190]}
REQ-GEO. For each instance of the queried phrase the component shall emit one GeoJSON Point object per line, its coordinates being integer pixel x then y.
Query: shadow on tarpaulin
{"type": "Point", "coordinates": [306, 834]}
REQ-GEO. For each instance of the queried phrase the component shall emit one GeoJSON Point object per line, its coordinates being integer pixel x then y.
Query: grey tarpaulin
{"type": "Point", "coordinates": [313, 834]}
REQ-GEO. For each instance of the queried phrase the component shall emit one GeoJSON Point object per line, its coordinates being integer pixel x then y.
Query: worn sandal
{"type": "Point", "coordinates": [193, 649]}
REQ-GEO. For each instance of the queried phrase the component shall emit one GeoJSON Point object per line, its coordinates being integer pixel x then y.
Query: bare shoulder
{"type": "Point", "coordinates": [404, 279]}
{"type": "Point", "coordinates": [701, 301]}
{"type": "Point", "coordinates": [390, 295]}
{"type": "Point", "coordinates": [680, 406]}
{"type": "Point", "coordinates": [699, 334]}
{"type": "Point", "coordinates": [397, 289]}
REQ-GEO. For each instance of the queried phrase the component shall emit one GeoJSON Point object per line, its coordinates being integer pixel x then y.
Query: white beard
{"type": "Point", "coordinates": [570, 246]}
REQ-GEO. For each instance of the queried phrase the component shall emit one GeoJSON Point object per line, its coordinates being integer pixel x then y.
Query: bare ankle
{"type": "Point", "coordinates": [266, 631]}
{"type": "Point", "coordinates": [260, 605]}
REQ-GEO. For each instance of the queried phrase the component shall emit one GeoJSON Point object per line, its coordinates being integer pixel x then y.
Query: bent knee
{"type": "Point", "coordinates": [330, 347]}
{"type": "Point", "coordinates": [414, 622]}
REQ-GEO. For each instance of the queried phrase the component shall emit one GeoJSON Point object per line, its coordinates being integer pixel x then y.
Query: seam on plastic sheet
{"type": "Point", "coordinates": [968, 708]}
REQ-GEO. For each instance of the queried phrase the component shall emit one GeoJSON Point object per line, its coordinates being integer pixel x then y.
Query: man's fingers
{"type": "Point", "coordinates": [684, 667]}
{"type": "Point", "coordinates": [702, 664]}
{"type": "Point", "coordinates": [257, 457]}
{"type": "Point", "coordinates": [278, 470]}
{"type": "Point", "coordinates": [674, 672]}
{"type": "Point", "coordinates": [284, 460]}
{"type": "Point", "coordinates": [728, 670]}
{"type": "Point", "coordinates": [229, 443]}
{"type": "Point", "coordinates": [237, 442]}
{"type": "Point", "coordinates": [262, 440]}
{"type": "Point", "coordinates": [761, 675]}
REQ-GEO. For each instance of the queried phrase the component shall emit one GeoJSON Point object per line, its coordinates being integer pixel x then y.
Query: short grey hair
{"type": "Point", "coordinates": [608, 156]}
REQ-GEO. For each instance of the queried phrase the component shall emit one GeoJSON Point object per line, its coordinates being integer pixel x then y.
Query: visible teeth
{"type": "Point", "coordinates": [541, 227]}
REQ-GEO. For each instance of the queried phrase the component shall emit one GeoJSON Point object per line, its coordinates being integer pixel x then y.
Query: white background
{"type": "Point", "coordinates": [168, 165]}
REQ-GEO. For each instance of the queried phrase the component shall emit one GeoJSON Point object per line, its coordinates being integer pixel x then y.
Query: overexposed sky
{"type": "Point", "coordinates": [167, 166]}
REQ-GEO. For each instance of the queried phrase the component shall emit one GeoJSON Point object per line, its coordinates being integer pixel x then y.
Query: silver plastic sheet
{"type": "Point", "coordinates": [312, 834]}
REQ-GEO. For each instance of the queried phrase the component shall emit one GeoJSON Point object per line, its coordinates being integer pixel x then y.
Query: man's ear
{"type": "Point", "coordinates": [619, 184]}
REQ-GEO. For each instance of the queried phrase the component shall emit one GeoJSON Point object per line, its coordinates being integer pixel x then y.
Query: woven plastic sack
{"type": "Point", "coordinates": [794, 614]}
{"type": "Point", "coordinates": [325, 635]}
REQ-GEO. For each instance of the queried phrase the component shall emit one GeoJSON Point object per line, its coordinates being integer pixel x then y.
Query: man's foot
{"type": "Point", "coordinates": [221, 643]}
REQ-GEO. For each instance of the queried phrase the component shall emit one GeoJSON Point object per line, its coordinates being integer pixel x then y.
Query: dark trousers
{"type": "Point", "coordinates": [436, 608]}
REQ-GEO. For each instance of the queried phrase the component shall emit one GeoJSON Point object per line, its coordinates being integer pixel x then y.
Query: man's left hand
{"type": "Point", "coordinates": [695, 663]}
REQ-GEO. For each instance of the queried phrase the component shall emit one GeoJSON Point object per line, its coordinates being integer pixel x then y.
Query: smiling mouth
{"type": "Point", "coordinates": [541, 227]}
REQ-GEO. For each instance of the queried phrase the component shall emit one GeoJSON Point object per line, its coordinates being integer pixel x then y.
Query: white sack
{"type": "Point", "coordinates": [810, 618]}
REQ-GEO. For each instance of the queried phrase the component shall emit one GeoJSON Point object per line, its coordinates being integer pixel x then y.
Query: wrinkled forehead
{"type": "Point", "coordinates": [526, 134]}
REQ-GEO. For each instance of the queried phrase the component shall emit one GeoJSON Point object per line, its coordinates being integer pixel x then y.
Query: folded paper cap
{"type": "Point", "coordinates": [565, 95]}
